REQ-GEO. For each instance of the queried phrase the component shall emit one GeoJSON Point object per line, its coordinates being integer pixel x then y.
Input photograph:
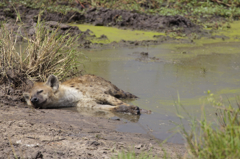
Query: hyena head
{"type": "Point", "coordinates": [41, 94]}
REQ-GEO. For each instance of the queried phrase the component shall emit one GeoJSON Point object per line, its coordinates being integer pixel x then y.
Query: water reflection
{"type": "Point", "coordinates": [104, 114]}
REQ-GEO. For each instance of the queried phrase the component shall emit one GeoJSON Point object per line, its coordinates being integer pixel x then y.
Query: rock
{"type": "Point", "coordinates": [93, 143]}
{"type": "Point", "coordinates": [115, 118]}
{"type": "Point", "coordinates": [103, 37]}
{"type": "Point", "coordinates": [54, 24]}
{"type": "Point", "coordinates": [31, 32]}
{"type": "Point", "coordinates": [144, 53]}
{"type": "Point", "coordinates": [38, 155]}
{"type": "Point", "coordinates": [138, 146]}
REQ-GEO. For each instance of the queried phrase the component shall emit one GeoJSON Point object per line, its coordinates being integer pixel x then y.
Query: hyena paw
{"type": "Point", "coordinates": [129, 109]}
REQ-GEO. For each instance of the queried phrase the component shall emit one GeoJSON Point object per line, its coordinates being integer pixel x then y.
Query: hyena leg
{"type": "Point", "coordinates": [120, 108]}
{"type": "Point", "coordinates": [117, 105]}
{"type": "Point", "coordinates": [111, 100]}
{"type": "Point", "coordinates": [91, 103]}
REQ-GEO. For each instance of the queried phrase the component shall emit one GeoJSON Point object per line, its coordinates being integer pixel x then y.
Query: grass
{"type": "Point", "coordinates": [172, 7]}
{"type": "Point", "coordinates": [52, 5]}
{"type": "Point", "coordinates": [12, 147]}
{"type": "Point", "coordinates": [193, 9]}
{"type": "Point", "coordinates": [208, 140]}
{"type": "Point", "coordinates": [47, 52]}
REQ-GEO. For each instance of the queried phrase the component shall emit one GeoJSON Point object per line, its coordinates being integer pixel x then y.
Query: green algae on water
{"type": "Point", "coordinates": [226, 43]}
{"type": "Point", "coordinates": [115, 34]}
{"type": "Point", "coordinates": [233, 33]}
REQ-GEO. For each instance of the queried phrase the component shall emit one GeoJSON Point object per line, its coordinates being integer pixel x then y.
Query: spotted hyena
{"type": "Point", "coordinates": [84, 91]}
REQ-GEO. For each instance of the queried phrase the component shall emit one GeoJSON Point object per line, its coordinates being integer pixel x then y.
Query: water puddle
{"type": "Point", "coordinates": [187, 71]}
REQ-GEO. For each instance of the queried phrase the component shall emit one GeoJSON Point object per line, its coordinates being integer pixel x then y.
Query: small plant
{"type": "Point", "coordinates": [12, 147]}
{"type": "Point", "coordinates": [119, 19]}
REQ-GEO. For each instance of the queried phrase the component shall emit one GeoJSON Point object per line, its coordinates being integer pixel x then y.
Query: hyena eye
{"type": "Point", "coordinates": [39, 91]}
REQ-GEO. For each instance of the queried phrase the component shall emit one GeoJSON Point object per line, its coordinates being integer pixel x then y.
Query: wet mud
{"type": "Point", "coordinates": [34, 133]}
{"type": "Point", "coordinates": [98, 17]}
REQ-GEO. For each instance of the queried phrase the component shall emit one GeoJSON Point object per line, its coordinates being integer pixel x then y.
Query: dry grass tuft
{"type": "Point", "coordinates": [46, 53]}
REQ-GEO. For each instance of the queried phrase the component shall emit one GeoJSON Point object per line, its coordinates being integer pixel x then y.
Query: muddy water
{"type": "Point", "coordinates": [185, 71]}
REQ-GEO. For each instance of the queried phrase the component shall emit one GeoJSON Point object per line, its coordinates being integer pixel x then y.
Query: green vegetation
{"type": "Point", "coordinates": [208, 140]}
{"type": "Point", "coordinates": [196, 10]}
{"type": "Point", "coordinates": [227, 8]}
{"type": "Point", "coordinates": [51, 5]}
{"type": "Point", "coordinates": [44, 54]}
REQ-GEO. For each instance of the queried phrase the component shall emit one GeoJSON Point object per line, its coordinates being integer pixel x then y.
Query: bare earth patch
{"type": "Point", "coordinates": [52, 133]}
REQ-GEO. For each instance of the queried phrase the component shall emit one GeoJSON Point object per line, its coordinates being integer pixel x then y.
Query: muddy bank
{"type": "Point", "coordinates": [121, 18]}
{"type": "Point", "coordinates": [99, 17]}
{"type": "Point", "coordinates": [33, 133]}
{"type": "Point", "coordinates": [105, 17]}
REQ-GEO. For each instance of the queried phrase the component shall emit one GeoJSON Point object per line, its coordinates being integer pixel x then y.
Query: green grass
{"type": "Point", "coordinates": [51, 6]}
{"type": "Point", "coordinates": [210, 140]}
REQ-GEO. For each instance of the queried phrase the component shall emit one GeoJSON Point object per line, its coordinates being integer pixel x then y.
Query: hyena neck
{"type": "Point", "coordinates": [67, 97]}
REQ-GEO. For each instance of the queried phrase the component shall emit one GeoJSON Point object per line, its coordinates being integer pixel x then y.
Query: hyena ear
{"type": "Point", "coordinates": [53, 82]}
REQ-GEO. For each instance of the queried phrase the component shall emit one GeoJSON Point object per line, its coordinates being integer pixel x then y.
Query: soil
{"type": "Point", "coordinates": [52, 133]}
